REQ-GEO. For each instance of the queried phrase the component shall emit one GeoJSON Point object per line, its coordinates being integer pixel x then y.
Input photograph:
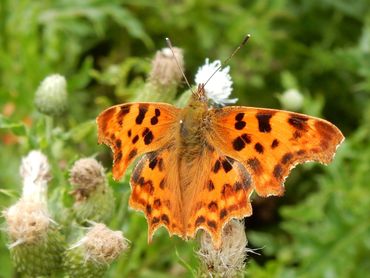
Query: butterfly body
{"type": "Point", "coordinates": [200, 165]}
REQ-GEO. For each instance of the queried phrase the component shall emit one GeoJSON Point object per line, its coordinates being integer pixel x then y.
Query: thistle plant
{"type": "Point", "coordinates": [91, 256]}
{"type": "Point", "coordinates": [94, 198]}
{"type": "Point", "coordinates": [36, 243]}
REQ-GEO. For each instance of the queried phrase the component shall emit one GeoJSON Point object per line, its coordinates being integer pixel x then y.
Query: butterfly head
{"type": "Point", "coordinates": [200, 94]}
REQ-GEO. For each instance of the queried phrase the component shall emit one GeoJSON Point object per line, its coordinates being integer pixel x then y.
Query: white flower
{"type": "Point", "coordinates": [219, 87]}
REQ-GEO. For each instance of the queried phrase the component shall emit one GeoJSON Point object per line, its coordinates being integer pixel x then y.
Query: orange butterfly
{"type": "Point", "coordinates": [200, 165]}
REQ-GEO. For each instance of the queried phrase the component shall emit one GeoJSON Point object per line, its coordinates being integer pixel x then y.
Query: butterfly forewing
{"type": "Point", "coordinates": [133, 129]}
{"type": "Point", "coordinates": [271, 142]}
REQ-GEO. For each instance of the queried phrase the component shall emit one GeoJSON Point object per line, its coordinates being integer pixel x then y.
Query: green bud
{"type": "Point", "coordinates": [94, 199]}
{"type": "Point", "coordinates": [51, 96]}
{"type": "Point", "coordinates": [291, 99]}
{"type": "Point", "coordinates": [91, 256]}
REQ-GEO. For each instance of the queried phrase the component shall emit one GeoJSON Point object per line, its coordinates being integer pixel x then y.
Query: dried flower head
{"type": "Point", "coordinates": [92, 255]}
{"type": "Point", "coordinates": [103, 245]}
{"type": "Point", "coordinates": [219, 87]}
{"type": "Point", "coordinates": [228, 261]}
{"type": "Point", "coordinates": [86, 174]}
{"type": "Point", "coordinates": [36, 244]}
{"type": "Point", "coordinates": [94, 199]}
{"type": "Point", "coordinates": [35, 171]}
{"type": "Point", "coordinates": [165, 71]}
{"type": "Point", "coordinates": [51, 96]}
{"type": "Point", "coordinates": [27, 222]}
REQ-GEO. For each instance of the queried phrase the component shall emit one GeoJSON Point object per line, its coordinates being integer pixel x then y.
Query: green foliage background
{"type": "Point", "coordinates": [320, 228]}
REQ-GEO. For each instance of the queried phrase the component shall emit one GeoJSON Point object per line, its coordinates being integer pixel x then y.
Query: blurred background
{"type": "Point", "coordinates": [319, 50]}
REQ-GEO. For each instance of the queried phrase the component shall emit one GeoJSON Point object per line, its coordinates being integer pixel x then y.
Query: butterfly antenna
{"type": "Point", "coordinates": [178, 65]}
{"type": "Point", "coordinates": [225, 62]}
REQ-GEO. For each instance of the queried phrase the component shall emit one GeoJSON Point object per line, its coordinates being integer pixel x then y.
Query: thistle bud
{"type": "Point", "coordinates": [94, 199]}
{"type": "Point", "coordinates": [164, 76]}
{"type": "Point", "coordinates": [229, 260]}
{"type": "Point", "coordinates": [291, 99]}
{"type": "Point", "coordinates": [92, 255]}
{"type": "Point", "coordinates": [51, 95]}
{"type": "Point", "coordinates": [165, 71]}
{"type": "Point", "coordinates": [35, 242]}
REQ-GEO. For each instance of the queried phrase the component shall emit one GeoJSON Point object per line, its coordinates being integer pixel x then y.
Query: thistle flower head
{"type": "Point", "coordinates": [94, 199]}
{"type": "Point", "coordinates": [27, 222]}
{"type": "Point", "coordinates": [36, 244]}
{"type": "Point", "coordinates": [102, 245]}
{"type": "Point", "coordinates": [51, 95]}
{"type": "Point", "coordinates": [165, 71]}
{"type": "Point", "coordinates": [229, 260]}
{"type": "Point", "coordinates": [86, 175]}
{"type": "Point", "coordinates": [219, 87]}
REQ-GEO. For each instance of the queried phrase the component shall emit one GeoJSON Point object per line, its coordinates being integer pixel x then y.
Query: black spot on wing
{"type": "Point", "coordinates": [287, 158]}
{"type": "Point", "coordinates": [217, 166]}
{"type": "Point", "coordinates": [278, 172]}
{"type": "Point", "coordinates": [274, 144]}
{"type": "Point", "coordinates": [240, 125]}
{"type": "Point", "coordinates": [258, 147]}
{"type": "Point", "coordinates": [299, 122]}
{"type": "Point", "coordinates": [200, 220]}
{"type": "Point", "coordinates": [238, 144]}
{"type": "Point", "coordinates": [226, 165]}
{"type": "Point", "coordinates": [143, 108]}
{"type": "Point", "coordinates": [239, 117]}
{"type": "Point", "coordinates": [264, 122]}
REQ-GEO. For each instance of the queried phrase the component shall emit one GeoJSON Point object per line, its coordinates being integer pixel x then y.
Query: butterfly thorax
{"type": "Point", "coordinates": [193, 124]}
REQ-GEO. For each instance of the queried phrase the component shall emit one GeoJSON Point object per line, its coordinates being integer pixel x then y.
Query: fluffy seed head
{"type": "Point", "coordinates": [86, 175]}
{"type": "Point", "coordinates": [35, 172]}
{"type": "Point", "coordinates": [228, 261]}
{"type": "Point", "coordinates": [102, 245]}
{"type": "Point", "coordinates": [165, 71]}
{"type": "Point", "coordinates": [27, 222]}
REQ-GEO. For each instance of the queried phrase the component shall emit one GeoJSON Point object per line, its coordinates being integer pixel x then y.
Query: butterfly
{"type": "Point", "coordinates": [199, 165]}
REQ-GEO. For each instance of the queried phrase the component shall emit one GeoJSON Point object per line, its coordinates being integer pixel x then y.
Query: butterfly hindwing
{"type": "Point", "coordinates": [156, 191]}
{"type": "Point", "coordinates": [133, 129]}
{"type": "Point", "coordinates": [270, 142]}
{"type": "Point", "coordinates": [223, 193]}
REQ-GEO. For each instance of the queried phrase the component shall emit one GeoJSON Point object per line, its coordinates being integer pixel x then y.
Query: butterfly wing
{"type": "Point", "coordinates": [133, 129]}
{"type": "Point", "coordinates": [219, 190]}
{"type": "Point", "coordinates": [269, 143]}
{"type": "Point", "coordinates": [156, 191]}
